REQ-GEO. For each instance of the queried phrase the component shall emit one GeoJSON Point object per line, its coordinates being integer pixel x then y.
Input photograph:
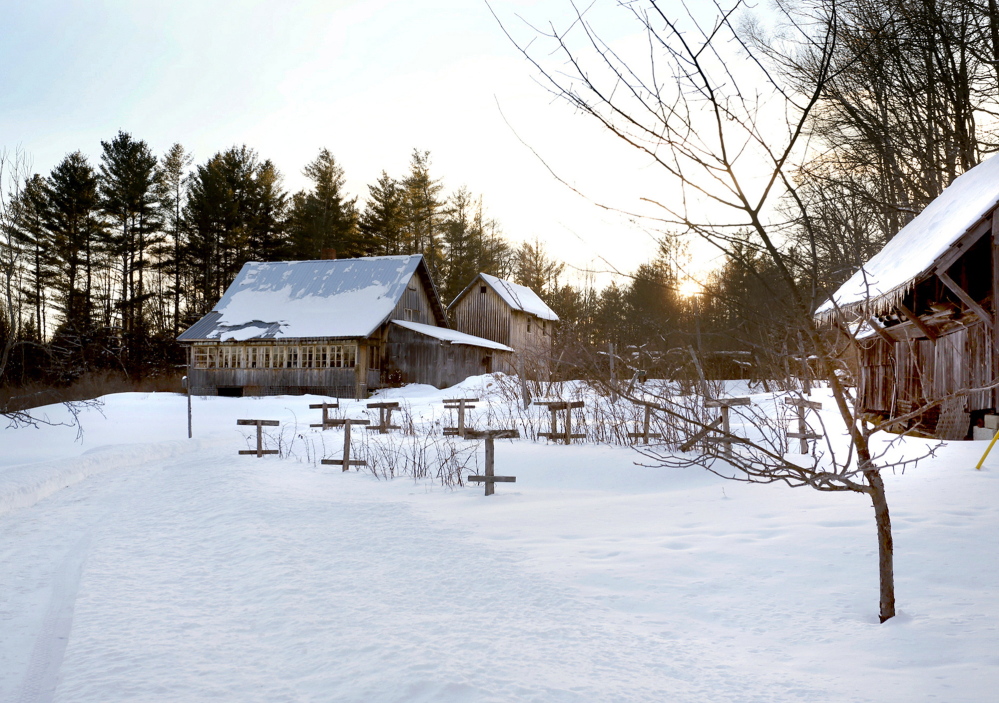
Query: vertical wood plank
{"type": "Point", "coordinates": [490, 464]}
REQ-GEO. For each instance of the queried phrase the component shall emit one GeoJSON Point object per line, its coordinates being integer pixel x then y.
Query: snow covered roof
{"type": "Point", "coordinates": [914, 250]}
{"type": "Point", "coordinates": [453, 336]}
{"type": "Point", "coordinates": [295, 299]}
{"type": "Point", "coordinates": [515, 295]}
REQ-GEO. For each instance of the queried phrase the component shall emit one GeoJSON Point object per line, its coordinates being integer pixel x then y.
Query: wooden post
{"type": "Point", "coordinates": [700, 372]}
{"type": "Point", "coordinates": [346, 462]}
{"type": "Point", "coordinates": [326, 407]}
{"type": "Point", "coordinates": [260, 424]}
{"type": "Point", "coordinates": [613, 375]}
{"type": "Point", "coordinates": [187, 387]}
{"type": "Point", "coordinates": [459, 404]}
{"type": "Point", "coordinates": [490, 478]}
{"type": "Point", "coordinates": [525, 393]}
{"type": "Point", "coordinates": [803, 435]}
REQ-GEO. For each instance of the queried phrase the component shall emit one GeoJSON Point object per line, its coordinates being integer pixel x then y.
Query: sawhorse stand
{"type": "Point", "coordinates": [461, 405]}
{"type": "Point", "coordinates": [724, 404]}
{"type": "Point", "coordinates": [327, 421]}
{"type": "Point", "coordinates": [259, 451]}
{"type": "Point", "coordinates": [384, 417]}
{"type": "Point", "coordinates": [491, 479]}
{"type": "Point", "coordinates": [803, 435]}
{"type": "Point", "coordinates": [644, 432]}
{"type": "Point", "coordinates": [346, 462]}
{"type": "Point", "coordinates": [555, 407]}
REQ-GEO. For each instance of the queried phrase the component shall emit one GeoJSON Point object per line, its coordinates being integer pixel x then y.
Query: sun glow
{"type": "Point", "coordinates": [688, 288]}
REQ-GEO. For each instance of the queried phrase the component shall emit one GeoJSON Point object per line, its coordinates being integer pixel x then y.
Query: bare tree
{"type": "Point", "coordinates": [728, 134]}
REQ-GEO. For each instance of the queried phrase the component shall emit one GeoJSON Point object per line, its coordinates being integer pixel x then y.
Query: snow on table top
{"type": "Point", "coordinates": [452, 336]}
{"type": "Point", "coordinates": [924, 240]}
{"type": "Point", "coordinates": [520, 297]}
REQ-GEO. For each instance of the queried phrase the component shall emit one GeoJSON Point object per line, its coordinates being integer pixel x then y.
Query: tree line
{"type": "Point", "coordinates": [105, 262]}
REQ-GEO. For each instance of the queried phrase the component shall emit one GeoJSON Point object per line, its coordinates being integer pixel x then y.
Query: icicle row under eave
{"type": "Point", "coordinates": [868, 307]}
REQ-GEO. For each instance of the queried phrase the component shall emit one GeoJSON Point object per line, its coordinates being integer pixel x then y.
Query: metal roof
{"type": "Point", "coordinates": [451, 336]}
{"type": "Point", "coordinates": [325, 298]}
{"type": "Point", "coordinates": [518, 297]}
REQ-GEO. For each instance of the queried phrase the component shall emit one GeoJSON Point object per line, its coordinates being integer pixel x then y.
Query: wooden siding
{"type": "Point", "coordinates": [530, 336]}
{"type": "Point", "coordinates": [483, 314]}
{"type": "Point", "coordinates": [899, 379]}
{"type": "Point", "coordinates": [339, 383]}
{"type": "Point", "coordinates": [417, 300]}
{"type": "Point", "coordinates": [411, 357]}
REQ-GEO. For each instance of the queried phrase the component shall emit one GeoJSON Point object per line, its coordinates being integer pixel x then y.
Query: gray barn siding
{"type": "Point", "coordinates": [332, 382]}
{"type": "Point", "coordinates": [422, 359]}
{"type": "Point", "coordinates": [484, 315]}
{"type": "Point", "coordinates": [418, 300]}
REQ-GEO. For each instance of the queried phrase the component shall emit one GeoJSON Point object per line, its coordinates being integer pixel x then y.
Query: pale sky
{"type": "Point", "coordinates": [368, 80]}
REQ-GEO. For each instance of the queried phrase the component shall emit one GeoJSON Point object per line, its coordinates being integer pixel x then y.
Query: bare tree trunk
{"type": "Point", "coordinates": [886, 551]}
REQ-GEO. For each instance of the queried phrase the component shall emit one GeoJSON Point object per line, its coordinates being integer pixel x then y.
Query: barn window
{"type": "Point", "coordinates": [528, 325]}
{"type": "Point", "coordinates": [482, 290]}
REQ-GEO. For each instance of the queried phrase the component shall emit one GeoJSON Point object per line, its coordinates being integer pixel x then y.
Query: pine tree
{"type": "Point", "coordinates": [172, 194]}
{"type": "Point", "coordinates": [382, 223]}
{"type": "Point", "coordinates": [536, 269]}
{"type": "Point", "coordinates": [128, 197]}
{"type": "Point", "coordinates": [324, 218]}
{"type": "Point", "coordinates": [422, 211]}
{"type": "Point", "coordinates": [76, 232]}
{"type": "Point", "coordinates": [235, 213]}
{"type": "Point", "coordinates": [36, 249]}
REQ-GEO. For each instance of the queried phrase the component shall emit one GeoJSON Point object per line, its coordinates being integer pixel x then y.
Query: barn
{"type": "Point", "coordinates": [507, 313]}
{"type": "Point", "coordinates": [926, 305]}
{"type": "Point", "coordinates": [336, 327]}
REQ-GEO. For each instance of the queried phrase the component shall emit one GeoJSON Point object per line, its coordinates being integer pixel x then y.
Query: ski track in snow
{"type": "Point", "coordinates": [349, 583]}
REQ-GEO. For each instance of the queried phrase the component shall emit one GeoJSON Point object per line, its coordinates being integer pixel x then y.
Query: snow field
{"type": "Point", "coordinates": [168, 574]}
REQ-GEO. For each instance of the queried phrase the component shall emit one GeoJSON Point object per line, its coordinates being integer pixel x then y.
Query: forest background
{"type": "Point", "coordinates": [107, 258]}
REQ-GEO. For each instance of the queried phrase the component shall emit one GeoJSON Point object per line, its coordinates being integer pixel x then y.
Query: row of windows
{"type": "Point", "coordinates": [317, 356]}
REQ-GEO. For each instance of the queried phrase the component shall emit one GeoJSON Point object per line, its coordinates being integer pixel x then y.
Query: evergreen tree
{"type": "Point", "coordinates": [128, 197]}
{"type": "Point", "coordinates": [35, 246]}
{"type": "Point", "coordinates": [536, 269]}
{"type": "Point", "coordinates": [382, 223]}
{"type": "Point", "coordinates": [235, 212]}
{"type": "Point", "coordinates": [323, 217]}
{"type": "Point", "coordinates": [172, 194]}
{"type": "Point", "coordinates": [76, 232]}
{"type": "Point", "coordinates": [422, 212]}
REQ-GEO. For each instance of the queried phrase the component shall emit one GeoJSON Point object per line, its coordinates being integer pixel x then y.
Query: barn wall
{"type": "Point", "coordinates": [340, 383]}
{"type": "Point", "coordinates": [417, 358]}
{"type": "Point", "coordinates": [483, 314]}
{"type": "Point", "coordinates": [877, 382]}
{"type": "Point", "coordinates": [416, 301]}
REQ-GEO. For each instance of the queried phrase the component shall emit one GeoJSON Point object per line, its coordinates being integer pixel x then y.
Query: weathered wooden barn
{"type": "Point", "coordinates": [337, 327]}
{"type": "Point", "coordinates": [927, 305]}
{"type": "Point", "coordinates": [507, 313]}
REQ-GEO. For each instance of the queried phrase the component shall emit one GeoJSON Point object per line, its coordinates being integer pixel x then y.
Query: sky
{"type": "Point", "coordinates": [370, 80]}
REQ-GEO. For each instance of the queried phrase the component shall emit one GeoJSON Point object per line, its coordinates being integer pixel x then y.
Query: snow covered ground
{"type": "Point", "coordinates": [138, 565]}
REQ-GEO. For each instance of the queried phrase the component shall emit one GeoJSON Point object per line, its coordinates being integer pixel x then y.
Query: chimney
{"type": "Point", "coordinates": [329, 253]}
